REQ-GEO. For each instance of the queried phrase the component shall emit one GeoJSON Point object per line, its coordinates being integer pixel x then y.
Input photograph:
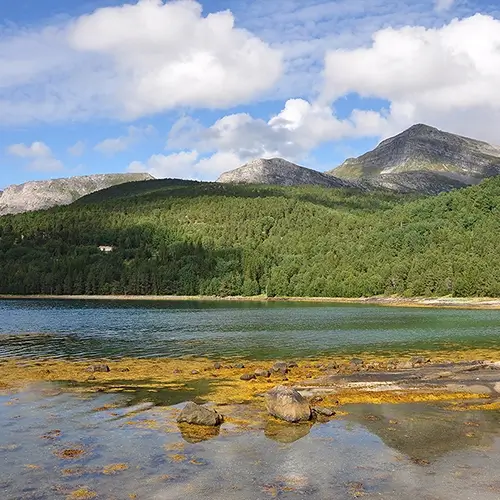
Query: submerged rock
{"type": "Point", "coordinates": [284, 433]}
{"type": "Point", "coordinates": [287, 404]}
{"type": "Point", "coordinates": [199, 415]}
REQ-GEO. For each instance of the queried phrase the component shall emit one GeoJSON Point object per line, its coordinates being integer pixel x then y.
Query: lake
{"type": "Point", "coordinates": [60, 443]}
{"type": "Point", "coordinates": [258, 330]}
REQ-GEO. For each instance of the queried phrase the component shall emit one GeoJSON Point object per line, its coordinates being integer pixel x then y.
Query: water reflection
{"type": "Point", "coordinates": [389, 451]}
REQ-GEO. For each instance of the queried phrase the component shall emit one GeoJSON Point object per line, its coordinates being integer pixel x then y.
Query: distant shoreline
{"type": "Point", "coordinates": [437, 302]}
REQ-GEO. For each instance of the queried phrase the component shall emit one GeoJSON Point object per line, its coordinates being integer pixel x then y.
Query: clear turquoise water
{"type": "Point", "coordinates": [389, 452]}
{"type": "Point", "coordinates": [249, 329]}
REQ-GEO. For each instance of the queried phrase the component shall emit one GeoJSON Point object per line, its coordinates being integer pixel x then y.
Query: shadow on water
{"type": "Point", "coordinates": [424, 432]}
{"type": "Point", "coordinates": [149, 390]}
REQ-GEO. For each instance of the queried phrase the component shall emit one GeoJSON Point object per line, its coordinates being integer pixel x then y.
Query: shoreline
{"type": "Point", "coordinates": [428, 302]}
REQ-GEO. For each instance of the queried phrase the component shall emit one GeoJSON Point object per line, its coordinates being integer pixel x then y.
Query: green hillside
{"type": "Point", "coordinates": [188, 238]}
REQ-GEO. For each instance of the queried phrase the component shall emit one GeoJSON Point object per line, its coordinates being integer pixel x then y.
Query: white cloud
{"type": "Point", "coordinates": [298, 128]}
{"type": "Point", "coordinates": [187, 165]}
{"type": "Point", "coordinates": [77, 149]}
{"type": "Point", "coordinates": [442, 5]}
{"type": "Point", "coordinates": [448, 77]}
{"type": "Point", "coordinates": [130, 61]}
{"type": "Point", "coordinates": [119, 144]}
{"type": "Point", "coordinates": [40, 156]}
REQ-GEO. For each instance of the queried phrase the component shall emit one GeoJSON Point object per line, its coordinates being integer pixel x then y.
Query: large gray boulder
{"type": "Point", "coordinates": [287, 404]}
{"type": "Point", "coordinates": [199, 415]}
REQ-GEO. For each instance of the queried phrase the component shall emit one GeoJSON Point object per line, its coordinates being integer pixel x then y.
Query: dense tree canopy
{"type": "Point", "coordinates": [188, 238]}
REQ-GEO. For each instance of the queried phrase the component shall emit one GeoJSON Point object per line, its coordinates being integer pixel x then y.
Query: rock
{"type": "Point", "coordinates": [176, 371]}
{"type": "Point", "coordinates": [262, 373]}
{"type": "Point", "coordinates": [240, 366]}
{"type": "Point", "coordinates": [287, 404]}
{"type": "Point", "coordinates": [405, 365]}
{"type": "Point", "coordinates": [196, 414]}
{"type": "Point", "coordinates": [324, 412]}
{"type": "Point", "coordinates": [332, 366]}
{"type": "Point", "coordinates": [292, 364]}
{"type": "Point", "coordinates": [356, 362]}
{"type": "Point", "coordinates": [280, 367]}
{"type": "Point", "coordinates": [194, 372]}
{"type": "Point", "coordinates": [248, 376]}
{"type": "Point", "coordinates": [217, 366]}
{"type": "Point", "coordinates": [125, 370]}
{"type": "Point", "coordinates": [91, 378]}
{"type": "Point", "coordinates": [98, 368]}
{"type": "Point", "coordinates": [497, 387]}
{"type": "Point", "coordinates": [419, 360]}
{"type": "Point", "coordinates": [316, 399]}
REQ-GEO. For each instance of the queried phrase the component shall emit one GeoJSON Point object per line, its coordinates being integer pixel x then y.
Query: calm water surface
{"type": "Point", "coordinates": [389, 452]}
{"type": "Point", "coordinates": [257, 330]}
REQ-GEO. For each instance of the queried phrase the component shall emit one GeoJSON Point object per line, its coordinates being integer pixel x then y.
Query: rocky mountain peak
{"type": "Point", "coordinates": [40, 195]}
{"type": "Point", "coordinates": [277, 171]}
{"type": "Point", "coordinates": [428, 149]}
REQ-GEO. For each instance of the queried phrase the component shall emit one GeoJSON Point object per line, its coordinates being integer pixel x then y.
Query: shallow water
{"type": "Point", "coordinates": [388, 451]}
{"type": "Point", "coordinates": [78, 329]}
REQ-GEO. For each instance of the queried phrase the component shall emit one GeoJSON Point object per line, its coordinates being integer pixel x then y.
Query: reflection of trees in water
{"type": "Point", "coordinates": [427, 432]}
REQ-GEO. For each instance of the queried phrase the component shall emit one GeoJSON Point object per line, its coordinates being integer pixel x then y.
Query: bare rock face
{"type": "Point", "coordinates": [279, 172]}
{"type": "Point", "coordinates": [287, 404]}
{"type": "Point", "coordinates": [40, 195]}
{"type": "Point", "coordinates": [196, 414]}
{"type": "Point", "coordinates": [425, 149]}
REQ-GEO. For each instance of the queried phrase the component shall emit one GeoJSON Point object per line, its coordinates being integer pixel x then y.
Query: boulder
{"type": "Point", "coordinates": [280, 367]}
{"type": "Point", "coordinates": [324, 412]}
{"type": "Point", "coordinates": [247, 376]}
{"type": "Point", "coordinates": [98, 368]}
{"type": "Point", "coordinates": [287, 404]}
{"type": "Point", "coordinates": [217, 366]}
{"type": "Point", "coordinates": [262, 373]}
{"type": "Point", "coordinates": [239, 366]}
{"type": "Point", "coordinates": [199, 415]}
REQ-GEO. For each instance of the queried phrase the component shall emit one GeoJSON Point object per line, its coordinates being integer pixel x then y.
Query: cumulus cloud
{"type": "Point", "coordinates": [187, 165]}
{"type": "Point", "coordinates": [40, 156]}
{"type": "Point", "coordinates": [119, 144]}
{"type": "Point", "coordinates": [130, 61]}
{"type": "Point", "coordinates": [447, 77]}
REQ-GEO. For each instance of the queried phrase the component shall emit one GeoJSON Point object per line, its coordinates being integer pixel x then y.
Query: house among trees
{"type": "Point", "coordinates": [106, 248]}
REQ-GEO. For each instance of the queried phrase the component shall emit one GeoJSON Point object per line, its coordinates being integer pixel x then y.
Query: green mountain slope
{"type": "Point", "coordinates": [179, 237]}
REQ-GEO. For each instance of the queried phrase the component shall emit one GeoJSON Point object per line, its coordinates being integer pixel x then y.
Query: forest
{"type": "Point", "coordinates": [192, 238]}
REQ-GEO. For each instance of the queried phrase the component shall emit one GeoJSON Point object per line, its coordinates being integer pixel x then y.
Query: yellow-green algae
{"type": "Point", "coordinates": [225, 385]}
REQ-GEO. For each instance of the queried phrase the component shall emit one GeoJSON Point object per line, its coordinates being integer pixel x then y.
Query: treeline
{"type": "Point", "coordinates": [187, 238]}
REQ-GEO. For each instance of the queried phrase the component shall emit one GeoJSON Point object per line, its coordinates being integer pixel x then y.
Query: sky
{"type": "Point", "coordinates": [190, 89]}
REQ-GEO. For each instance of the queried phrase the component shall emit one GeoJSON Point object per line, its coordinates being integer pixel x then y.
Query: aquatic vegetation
{"type": "Point", "coordinates": [70, 453]}
{"type": "Point", "coordinates": [114, 468]}
{"type": "Point", "coordinates": [82, 494]}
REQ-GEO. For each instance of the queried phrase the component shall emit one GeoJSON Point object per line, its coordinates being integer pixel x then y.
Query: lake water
{"type": "Point", "coordinates": [57, 444]}
{"type": "Point", "coordinates": [389, 452]}
{"type": "Point", "coordinates": [76, 329]}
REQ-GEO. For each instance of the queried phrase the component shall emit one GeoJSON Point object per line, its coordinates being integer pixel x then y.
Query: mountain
{"type": "Point", "coordinates": [420, 182]}
{"type": "Point", "coordinates": [424, 148]}
{"type": "Point", "coordinates": [40, 195]}
{"type": "Point", "coordinates": [172, 237]}
{"type": "Point", "coordinates": [279, 172]}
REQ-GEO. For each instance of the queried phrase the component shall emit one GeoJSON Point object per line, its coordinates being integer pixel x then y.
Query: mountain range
{"type": "Point", "coordinates": [421, 160]}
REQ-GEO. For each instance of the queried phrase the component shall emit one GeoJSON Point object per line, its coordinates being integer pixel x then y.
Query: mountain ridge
{"type": "Point", "coordinates": [41, 195]}
{"type": "Point", "coordinates": [425, 148]}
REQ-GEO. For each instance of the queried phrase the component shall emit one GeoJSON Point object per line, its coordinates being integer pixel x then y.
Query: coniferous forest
{"type": "Point", "coordinates": [188, 238]}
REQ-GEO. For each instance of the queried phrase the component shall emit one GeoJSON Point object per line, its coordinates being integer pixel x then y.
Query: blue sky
{"type": "Point", "coordinates": [189, 89]}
